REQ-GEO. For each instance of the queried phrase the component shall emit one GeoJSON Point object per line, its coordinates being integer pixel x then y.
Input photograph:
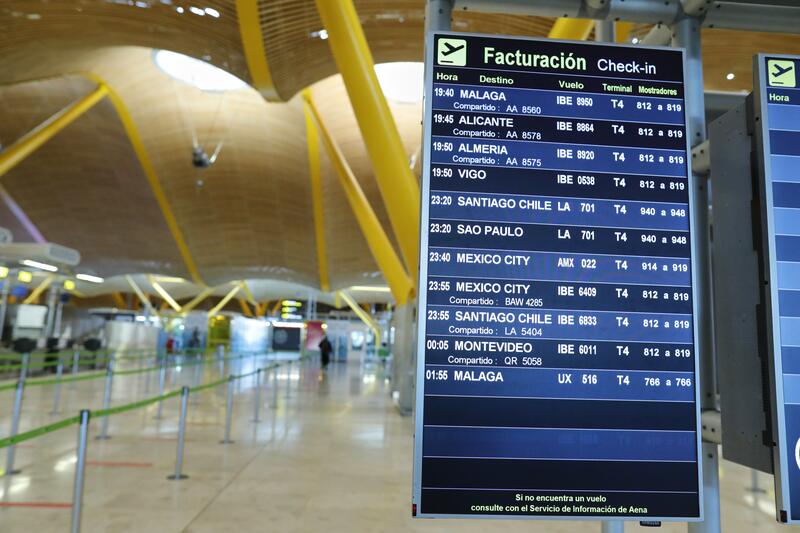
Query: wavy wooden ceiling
{"type": "Point", "coordinates": [248, 216]}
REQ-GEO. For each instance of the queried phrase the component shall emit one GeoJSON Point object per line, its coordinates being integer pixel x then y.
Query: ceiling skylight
{"type": "Point", "coordinates": [200, 74]}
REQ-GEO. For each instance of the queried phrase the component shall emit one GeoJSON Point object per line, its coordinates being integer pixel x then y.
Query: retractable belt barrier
{"type": "Point", "coordinates": [55, 426]}
{"type": "Point", "coordinates": [82, 420]}
{"type": "Point", "coordinates": [98, 375]}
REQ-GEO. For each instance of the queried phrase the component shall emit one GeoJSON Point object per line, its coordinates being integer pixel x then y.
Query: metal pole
{"type": "Point", "coordinates": [58, 318]}
{"type": "Point", "coordinates": [613, 527]}
{"type": "Point", "coordinates": [228, 412]}
{"type": "Point", "coordinates": [26, 361]}
{"type": "Point", "coordinates": [57, 391]}
{"type": "Point", "coordinates": [51, 311]}
{"type": "Point", "coordinates": [755, 487]}
{"type": "Point", "coordinates": [257, 397]}
{"type": "Point", "coordinates": [162, 380]}
{"type": "Point", "coordinates": [107, 400]}
{"type": "Point", "coordinates": [274, 387]}
{"type": "Point", "coordinates": [686, 34]}
{"type": "Point", "coordinates": [198, 376]}
{"type": "Point", "coordinates": [439, 14]}
{"type": "Point", "coordinates": [178, 475]}
{"type": "Point", "coordinates": [80, 469]}
{"type": "Point", "coordinates": [76, 355]}
{"type": "Point", "coordinates": [4, 300]}
{"type": "Point", "coordinates": [605, 31]}
{"type": "Point", "coordinates": [12, 450]}
{"type": "Point", "coordinates": [288, 377]}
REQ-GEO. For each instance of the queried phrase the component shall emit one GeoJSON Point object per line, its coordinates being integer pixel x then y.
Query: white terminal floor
{"type": "Point", "coordinates": [330, 454]}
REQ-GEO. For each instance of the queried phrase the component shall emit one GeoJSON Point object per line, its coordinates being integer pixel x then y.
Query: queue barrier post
{"type": "Point", "coordinates": [229, 412]}
{"type": "Point", "coordinates": [257, 397]}
{"type": "Point", "coordinates": [178, 475]}
{"type": "Point", "coordinates": [57, 388]}
{"type": "Point", "coordinates": [107, 399]}
{"type": "Point", "coordinates": [12, 449]}
{"type": "Point", "coordinates": [288, 378]}
{"type": "Point", "coordinates": [80, 470]}
{"type": "Point", "coordinates": [147, 378]}
{"type": "Point", "coordinates": [23, 371]}
{"type": "Point", "coordinates": [198, 377]}
{"type": "Point", "coordinates": [162, 381]}
{"type": "Point", "coordinates": [76, 355]}
{"type": "Point", "coordinates": [274, 387]}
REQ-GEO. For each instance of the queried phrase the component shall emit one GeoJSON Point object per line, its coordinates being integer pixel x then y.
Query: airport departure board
{"type": "Point", "coordinates": [556, 363]}
{"type": "Point", "coordinates": [777, 86]}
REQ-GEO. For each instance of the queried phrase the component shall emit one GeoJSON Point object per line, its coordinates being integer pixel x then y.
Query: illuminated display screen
{"type": "Point", "coordinates": [778, 97]}
{"type": "Point", "coordinates": [556, 356]}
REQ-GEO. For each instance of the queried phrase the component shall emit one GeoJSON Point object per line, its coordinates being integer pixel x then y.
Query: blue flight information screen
{"type": "Point", "coordinates": [778, 93]}
{"type": "Point", "coordinates": [556, 367]}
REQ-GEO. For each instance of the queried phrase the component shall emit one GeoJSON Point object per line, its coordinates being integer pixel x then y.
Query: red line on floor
{"type": "Point", "coordinates": [40, 505]}
{"type": "Point", "coordinates": [119, 463]}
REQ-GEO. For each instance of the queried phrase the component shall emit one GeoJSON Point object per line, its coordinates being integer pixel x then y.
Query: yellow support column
{"type": "Point", "coordinates": [34, 295]}
{"type": "Point", "coordinates": [164, 294]}
{"type": "Point", "coordinates": [314, 170]}
{"type": "Point", "coordinates": [254, 52]}
{"type": "Point", "coordinates": [119, 301]}
{"type": "Point", "coordinates": [144, 299]}
{"type": "Point", "coordinates": [152, 178]}
{"type": "Point", "coordinates": [624, 31]}
{"type": "Point", "coordinates": [31, 141]}
{"type": "Point", "coordinates": [377, 240]}
{"type": "Point", "coordinates": [197, 299]}
{"type": "Point", "coordinates": [214, 310]}
{"type": "Point", "coordinates": [248, 293]}
{"type": "Point", "coordinates": [398, 186]}
{"type": "Point", "coordinates": [571, 29]}
{"type": "Point", "coordinates": [364, 316]}
{"type": "Point", "coordinates": [245, 308]}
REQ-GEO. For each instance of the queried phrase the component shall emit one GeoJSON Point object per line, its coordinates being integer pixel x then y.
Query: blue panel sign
{"type": "Point", "coordinates": [778, 100]}
{"type": "Point", "coordinates": [556, 369]}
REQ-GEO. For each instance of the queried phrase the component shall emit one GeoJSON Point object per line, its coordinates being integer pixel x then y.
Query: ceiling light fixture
{"type": "Point", "coordinates": [39, 265]}
{"type": "Point", "coordinates": [635, 40]}
{"type": "Point", "coordinates": [212, 12]}
{"type": "Point", "coordinates": [179, 9]}
{"type": "Point", "coordinates": [89, 278]}
{"type": "Point", "coordinates": [401, 82]}
{"type": "Point", "coordinates": [195, 72]}
{"type": "Point", "coordinates": [730, 76]}
{"type": "Point", "coordinates": [168, 279]}
{"type": "Point", "coordinates": [367, 288]}
{"type": "Point", "coordinates": [197, 11]}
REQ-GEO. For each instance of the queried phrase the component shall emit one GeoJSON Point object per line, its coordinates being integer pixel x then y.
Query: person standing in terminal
{"type": "Point", "coordinates": [325, 349]}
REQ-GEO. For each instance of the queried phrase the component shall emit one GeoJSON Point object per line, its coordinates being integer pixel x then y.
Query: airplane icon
{"type": "Point", "coordinates": [781, 73]}
{"type": "Point", "coordinates": [452, 52]}
{"type": "Point", "coordinates": [451, 48]}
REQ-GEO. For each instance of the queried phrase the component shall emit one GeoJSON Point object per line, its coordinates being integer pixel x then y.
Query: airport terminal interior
{"type": "Point", "coordinates": [399, 265]}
